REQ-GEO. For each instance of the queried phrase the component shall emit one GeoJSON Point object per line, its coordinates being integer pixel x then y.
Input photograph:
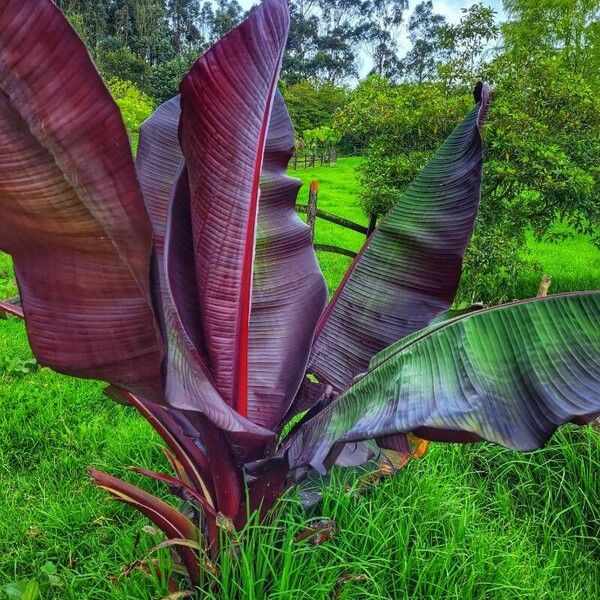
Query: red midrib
{"type": "Point", "coordinates": [241, 379]}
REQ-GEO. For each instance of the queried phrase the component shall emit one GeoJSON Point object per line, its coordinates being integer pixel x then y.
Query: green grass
{"type": "Point", "coordinates": [338, 194]}
{"type": "Point", "coordinates": [473, 522]}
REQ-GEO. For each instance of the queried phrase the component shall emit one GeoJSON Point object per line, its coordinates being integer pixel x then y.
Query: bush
{"type": "Point", "coordinates": [135, 106]}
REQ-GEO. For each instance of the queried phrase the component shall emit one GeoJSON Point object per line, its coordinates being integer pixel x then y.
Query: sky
{"type": "Point", "coordinates": [451, 9]}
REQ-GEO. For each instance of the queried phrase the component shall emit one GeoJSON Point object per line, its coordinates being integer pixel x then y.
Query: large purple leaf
{"type": "Point", "coordinates": [72, 213]}
{"type": "Point", "coordinates": [409, 269]}
{"type": "Point", "coordinates": [289, 292]}
{"type": "Point", "coordinates": [510, 374]}
{"type": "Point", "coordinates": [159, 163]}
{"type": "Point", "coordinates": [226, 102]}
{"type": "Point", "coordinates": [189, 383]}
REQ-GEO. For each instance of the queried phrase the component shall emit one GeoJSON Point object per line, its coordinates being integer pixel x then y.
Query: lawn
{"type": "Point", "coordinates": [474, 522]}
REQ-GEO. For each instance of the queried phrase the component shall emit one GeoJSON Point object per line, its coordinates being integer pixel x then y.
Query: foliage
{"type": "Point", "coordinates": [466, 43]}
{"type": "Point", "coordinates": [425, 33]}
{"type": "Point", "coordinates": [215, 348]}
{"type": "Point", "coordinates": [321, 138]}
{"type": "Point", "coordinates": [542, 145]}
{"type": "Point", "coordinates": [122, 63]}
{"type": "Point", "coordinates": [166, 77]}
{"type": "Point", "coordinates": [135, 106]}
{"type": "Point", "coordinates": [399, 126]}
{"type": "Point", "coordinates": [311, 105]}
{"type": "Point", "coordinates": [568, 29]}
{"type": "Point", "coordinates": [384, 20]}
{"type": "Point", "coordinates": [324, 35]}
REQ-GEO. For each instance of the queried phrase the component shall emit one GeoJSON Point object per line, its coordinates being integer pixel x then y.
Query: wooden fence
{"type": "Point", "coordinates": [313, 213]}
{"type": "Point", "coordinates": [308, 160]}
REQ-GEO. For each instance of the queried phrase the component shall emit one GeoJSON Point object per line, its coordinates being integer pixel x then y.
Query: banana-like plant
{"type": "Point", "coordinates": [187, 281]}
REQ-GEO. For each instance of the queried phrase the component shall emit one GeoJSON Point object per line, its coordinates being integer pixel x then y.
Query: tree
{"type": "Point", "coordinates": [224, 17]}
{"type": "Point", "coordinates": [324, 36]}
{"type": "Point", "coordinates": [340, 33]}
{"type": "Point", "coordinates": [313, 105]}
{"type": "Point", "coordinates": [302, 44]}
{"type": "Point", "coordinates": [90, 18]}
{"type": "Point", "coordinates": [165, 77]}
{"type": "Point", "coordinates": [122, 63]}
{"type": "Point", "coordinates": [466, 44]}
{"type": "Point", "coordinates": [383, 21]}
{"type": "Point", "coordinates": [566, 27]}
{"type": "Point", "coordinates": [421, 62]}
{"type": "Point", "coordinates": [183, 15]}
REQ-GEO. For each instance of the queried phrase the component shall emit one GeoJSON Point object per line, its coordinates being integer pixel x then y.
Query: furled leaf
{"type": "Point", "coordinates": [511, 375]}
{"type": "Point", "coordinates": [408, 271]}
{"type": "Point", "coordinates": [72, 214]}
{"type": "Point", "coordinates": [226, 103]}
{"type": "Point", "coordinates": [288, 292]}
{"type": "Point", "coordinates": [173, 523]}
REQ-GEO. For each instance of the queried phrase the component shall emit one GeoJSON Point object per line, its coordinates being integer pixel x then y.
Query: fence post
{"type": "Point", "coordinates": [311, 211]}
{"type": "Point", "coordinates": [372, 225]}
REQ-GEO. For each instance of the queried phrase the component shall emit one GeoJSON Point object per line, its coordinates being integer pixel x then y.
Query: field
{"type": "Point", "coordinates": [473, 522]}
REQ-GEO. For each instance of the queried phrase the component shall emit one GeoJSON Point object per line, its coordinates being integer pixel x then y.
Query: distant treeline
{"type": "Point", "coordinates": [153, 42]}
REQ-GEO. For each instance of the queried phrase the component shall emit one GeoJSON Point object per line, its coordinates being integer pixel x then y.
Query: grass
{"type": "Point", "coordinates": [338, 194]}
{"type": "Point", "coordinates": [474, 522]}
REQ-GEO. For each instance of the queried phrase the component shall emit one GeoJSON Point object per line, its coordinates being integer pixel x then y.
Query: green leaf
{"type": "Point", "coordinates": [22, 590]}
{"type": "Point", "coordinates": [32, 591]}
{"type": "Point", "coordinates": [510, 375]}
{"type": "Point", "coordinates": [408, 271]}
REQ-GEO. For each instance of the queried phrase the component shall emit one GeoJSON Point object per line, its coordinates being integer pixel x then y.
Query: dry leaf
{"type": "Point", "coordinates": [317, 533]}
{"type": "Point", "coordinates": [344, 579]}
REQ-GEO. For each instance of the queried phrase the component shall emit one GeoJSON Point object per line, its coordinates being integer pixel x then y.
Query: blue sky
{"type": "Point", "coordinates": [451, 9]}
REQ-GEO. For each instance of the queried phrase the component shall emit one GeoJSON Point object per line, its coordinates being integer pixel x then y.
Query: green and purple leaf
{"type": "Point", "coordinates": [72, 213]}
{"type": "Point", "coordinates": [408, 271]}
{"type": "Point", "coordinates": [511, 375]}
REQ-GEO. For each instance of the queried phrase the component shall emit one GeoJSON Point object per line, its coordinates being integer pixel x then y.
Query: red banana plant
{"type": "Point", "coordinates": [187, 281]}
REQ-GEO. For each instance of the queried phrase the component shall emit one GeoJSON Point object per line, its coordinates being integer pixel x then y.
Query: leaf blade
{"type": "Point", "coordinates": [229, 91]}
{"type": "Point", "coordinates": [288, 291]}
{"type": "Point", "coordinates": [72, 215]}
{"type": "Point", "coordinates": [511, 375]}
{"type": "Point", "coordinates": [407, 273]}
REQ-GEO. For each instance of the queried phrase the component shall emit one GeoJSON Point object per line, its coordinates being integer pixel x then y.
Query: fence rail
{"type": "Point", "coordinates": [312, 159]}
{"type": "Point", "coordinates": [313, 213]}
